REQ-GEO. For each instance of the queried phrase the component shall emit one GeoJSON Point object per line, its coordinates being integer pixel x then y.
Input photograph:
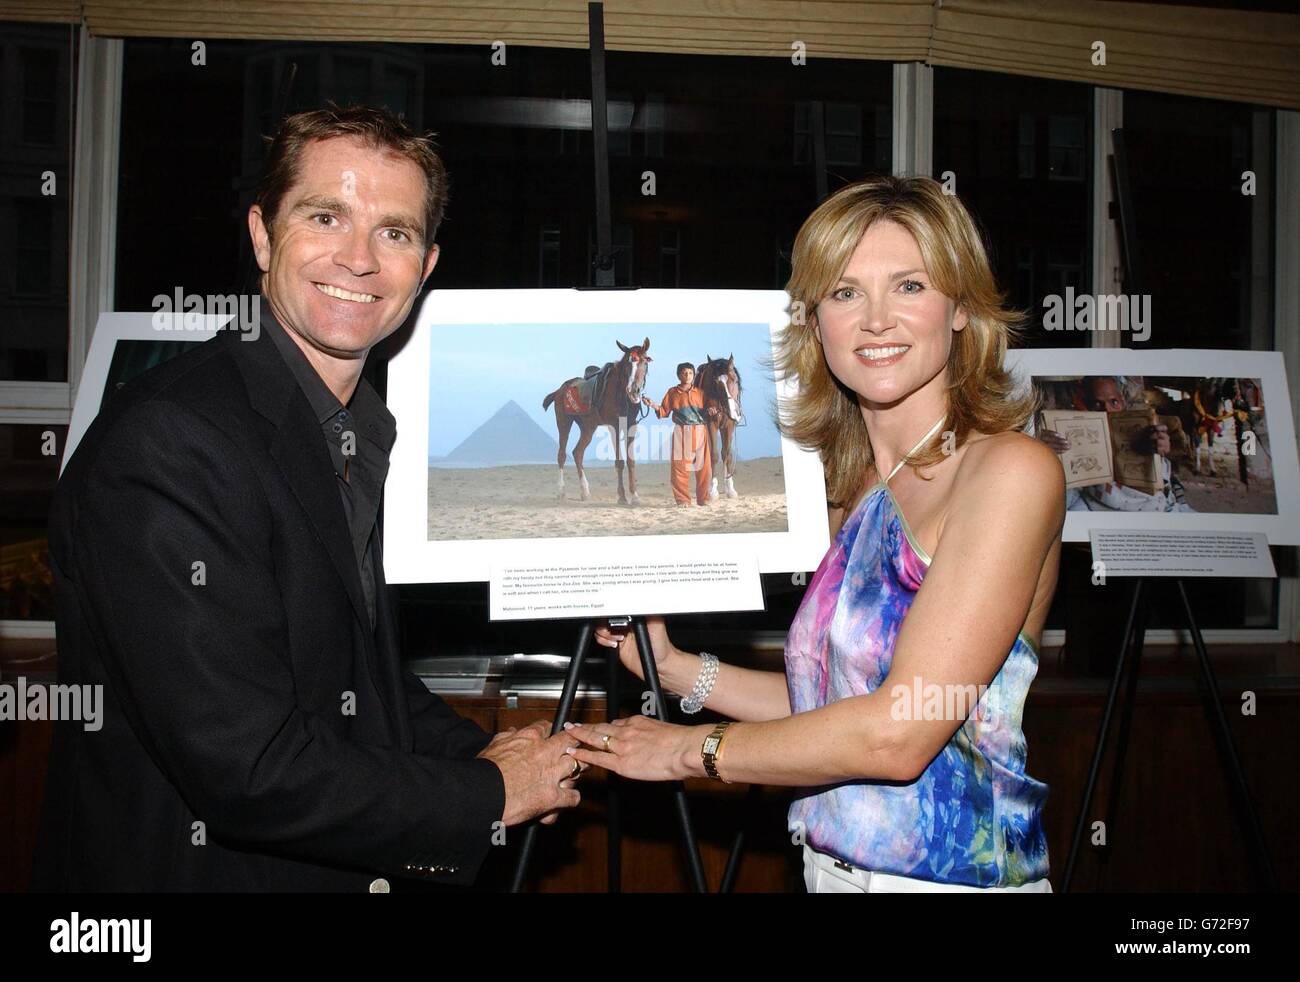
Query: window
{"type": "Point", "coordinates": [29, 466]}
{"type": "Point", "coordinates": [670, 257]}
{"type": "Point", "coordinates": [1066, 148]}
{"type": "Point", "coordinates": [1204, 231]}
{"type": "Point", "coordinates": [35, 203]}
{"type": "Point", "coordinates": [40, 89]}
{"type": "Point", "coordinates": [548, 256]}
{"type": "Point", "coordinates": [989, 132]}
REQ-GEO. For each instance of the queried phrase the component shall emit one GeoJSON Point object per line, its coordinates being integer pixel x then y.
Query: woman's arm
{"type": "Point", "coordinates": [1005, 514]}
{"type": "Point", "coordinates": [739, 693]}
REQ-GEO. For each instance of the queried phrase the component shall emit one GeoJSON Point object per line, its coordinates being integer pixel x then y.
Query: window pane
{"type": "Point", "coordinates": [36, 91]}
{"type": "Point", "coordinates": [1204, 243]}
{"type": "Point", "coordinates": [29, 466]}
{"type": "Point", "coordinates": [1018, 150]}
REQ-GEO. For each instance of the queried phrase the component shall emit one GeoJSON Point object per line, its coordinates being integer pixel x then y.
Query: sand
{"type": "Point", "coordinates": [520, 503]}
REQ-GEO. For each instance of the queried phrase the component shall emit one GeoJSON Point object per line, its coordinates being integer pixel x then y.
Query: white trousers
{"type": "Point", "coordinates": [826, 874]}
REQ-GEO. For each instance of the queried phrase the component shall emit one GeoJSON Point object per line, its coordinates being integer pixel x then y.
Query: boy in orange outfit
{"type": "Point", "coordinates": [690, 436]}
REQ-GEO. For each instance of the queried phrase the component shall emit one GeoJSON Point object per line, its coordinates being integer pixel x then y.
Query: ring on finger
{"type": "Point", "coordinates": [605, 738]}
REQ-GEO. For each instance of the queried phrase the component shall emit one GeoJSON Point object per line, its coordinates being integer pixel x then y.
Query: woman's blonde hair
{"type": "Point", "coordinates": [824, 414]}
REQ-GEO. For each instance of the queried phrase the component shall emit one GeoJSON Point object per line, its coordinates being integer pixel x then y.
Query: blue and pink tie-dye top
{"type": "Point", "coordinates": [974, 816]}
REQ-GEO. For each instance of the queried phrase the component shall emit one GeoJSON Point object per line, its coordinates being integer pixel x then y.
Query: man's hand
{"type": "Point", "coordinates": [1054, 441]}
{"type": "Point", "coordinates": [536, 771]}
{"type": "Point", "coordinates": [1159, 436]}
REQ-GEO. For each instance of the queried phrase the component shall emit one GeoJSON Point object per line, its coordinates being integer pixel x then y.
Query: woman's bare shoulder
{"type": "Point", "coordinates": [1011, 464]}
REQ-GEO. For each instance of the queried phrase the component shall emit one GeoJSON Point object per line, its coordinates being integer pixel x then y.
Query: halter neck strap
{"type": "Point", "coordinates": [919, 444]}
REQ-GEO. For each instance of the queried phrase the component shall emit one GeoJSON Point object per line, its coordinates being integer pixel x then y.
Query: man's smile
{"type": "Point", "coordinates": [338, 293]}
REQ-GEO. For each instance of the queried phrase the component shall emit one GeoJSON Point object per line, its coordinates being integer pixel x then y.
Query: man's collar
{"type": "Point", "coordinates": [377, 423]}
{"type": "Point", "coordinates": [324, 403]}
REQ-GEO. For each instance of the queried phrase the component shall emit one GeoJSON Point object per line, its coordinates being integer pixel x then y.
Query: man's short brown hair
{"type": "Point", "coordinates": [376, 127]}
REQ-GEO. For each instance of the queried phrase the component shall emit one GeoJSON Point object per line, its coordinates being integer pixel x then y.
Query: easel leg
{"type": "Point", "coordinates": [1126, 720]}
{"type": "Point", "coordinates": [679, 790]}
{"type": "Point", "coordinates": [613, 789]}
{"type": "Point", "coordinates": [1219, 726]}
{"type": "Point", "coordinates": [738, 843]}
{"type": "Point", "coordinates": [567, 695]}
{"type": "Point", "coordinates": [1102, 733]}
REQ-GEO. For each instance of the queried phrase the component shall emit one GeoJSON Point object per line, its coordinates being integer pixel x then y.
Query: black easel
{"type": "Point", "coordinates": [660, 711]}
{"type": "Point", "coordinates": [1133, 640]}
{"type": "Point", "coordinates": [603, 276]}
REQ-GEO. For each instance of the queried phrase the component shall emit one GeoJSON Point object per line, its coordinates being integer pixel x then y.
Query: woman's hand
{"type": "Point", "coordinates": [624, 639]}
{"type": "Point", "coordinates": [641, 748]}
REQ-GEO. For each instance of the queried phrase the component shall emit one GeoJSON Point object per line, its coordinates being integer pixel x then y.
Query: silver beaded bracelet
{"type": "Point", "coordinates": [703, 684]}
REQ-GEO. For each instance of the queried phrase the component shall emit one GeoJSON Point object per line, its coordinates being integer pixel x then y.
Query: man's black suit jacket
{"type": "Point", "coordinates": [257, 734]}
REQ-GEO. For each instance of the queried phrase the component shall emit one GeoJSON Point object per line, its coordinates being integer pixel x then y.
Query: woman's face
{"type": "Point", "coordinates": [885, 329]}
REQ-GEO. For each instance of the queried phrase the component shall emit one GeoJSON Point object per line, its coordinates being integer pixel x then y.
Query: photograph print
{"type": "Point", "coordinates": [574, 426]}
{"type": "Point", "coordinates": [556, 430]}
{"type": "Point", "coordinates": [1174, 439]}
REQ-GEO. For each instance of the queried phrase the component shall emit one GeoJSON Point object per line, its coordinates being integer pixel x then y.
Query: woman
{"type": "Point", "coordinates": [909, 660]}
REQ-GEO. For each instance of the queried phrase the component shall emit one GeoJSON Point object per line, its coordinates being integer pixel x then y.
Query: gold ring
{"type": "Point", "coordinates": [605, 739]}
{"type": "Point", "coordinates": [577, 769]}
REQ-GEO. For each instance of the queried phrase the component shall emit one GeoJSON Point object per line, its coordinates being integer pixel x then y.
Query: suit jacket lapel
{"type": "Point", "coordinates": [299, 450]}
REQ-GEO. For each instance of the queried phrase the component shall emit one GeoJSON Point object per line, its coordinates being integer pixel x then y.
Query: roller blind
{"type": "Point", "coordinates": [1241, 56]}
{"type": "Point", "coordinates": [46, 11]}
{"type": "Point", "coordinates": [892, 31]}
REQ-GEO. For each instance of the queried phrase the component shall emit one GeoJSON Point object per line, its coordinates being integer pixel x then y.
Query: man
{"type": "Point", "coordinates": [1103, 393]}
{"type": "Point", "coordinates": [218, 570]}
{"type": "Point", "coordinates": [690, 437]}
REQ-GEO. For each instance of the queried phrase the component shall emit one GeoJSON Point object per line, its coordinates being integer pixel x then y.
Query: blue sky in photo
{"type": "Point", "coordinates": [475, 369]}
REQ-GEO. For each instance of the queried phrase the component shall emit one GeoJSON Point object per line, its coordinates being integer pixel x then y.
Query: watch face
{"type": "Point", "coordinates": [711, 744]}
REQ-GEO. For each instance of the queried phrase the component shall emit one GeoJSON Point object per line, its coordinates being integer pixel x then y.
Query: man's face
{"type": "Point", "coordinates": [687, 377]}
{"type": "Point", "coordinates": [347, 259]}
{"type": "Point", "coordinates": [1105, 395]}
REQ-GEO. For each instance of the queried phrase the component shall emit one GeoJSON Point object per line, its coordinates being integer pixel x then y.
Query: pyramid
{"type": "Point", "coordinates": [510, 436]}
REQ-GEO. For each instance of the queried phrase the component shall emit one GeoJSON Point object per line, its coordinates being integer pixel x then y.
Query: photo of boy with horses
{"type": "Point", "coordinates": [1209, 434]}
{"type": "Point", "coordinates": [523, 446]}
{"type": "Point", "coordinates": [692, 454]}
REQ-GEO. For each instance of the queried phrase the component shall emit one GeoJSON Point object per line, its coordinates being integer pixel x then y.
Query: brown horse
{"type": "Point", "coordinates": [719, 382]}
{"type": "Point", "coordinates": [617, 404]}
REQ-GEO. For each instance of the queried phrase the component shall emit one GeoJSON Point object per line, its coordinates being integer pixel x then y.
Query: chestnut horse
{"type": "Point", "coordinates": [617, 404]}
{"type": "Point", "coordinates": [719, 382]}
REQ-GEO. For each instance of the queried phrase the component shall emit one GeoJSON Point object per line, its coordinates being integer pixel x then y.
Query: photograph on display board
{"type": "Point", "coordinates": [1160, 443]}
{"type": "Point", "coordinates": [559, 430]}
{"type": "Point", "coordinates": [575, 426]}
{"type": "Point", "coordinates": [1168, 439]}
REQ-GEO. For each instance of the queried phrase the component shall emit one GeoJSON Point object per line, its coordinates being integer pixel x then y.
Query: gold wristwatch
{"type": "Point", "coordinates": [711, 749]}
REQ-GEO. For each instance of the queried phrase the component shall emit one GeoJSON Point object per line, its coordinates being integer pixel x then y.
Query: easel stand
{"type": "Point", "coordinates": [1133, 640]}
{"type": "Point", "coordinates": [660, 711]}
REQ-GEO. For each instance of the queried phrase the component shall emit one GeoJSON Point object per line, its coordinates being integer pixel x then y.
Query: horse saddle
{"type": "Point", "coordinates": [580, 395]}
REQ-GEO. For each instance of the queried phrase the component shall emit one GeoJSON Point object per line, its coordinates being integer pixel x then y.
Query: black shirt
{"type": "Point", "coordinates": [359, 437]}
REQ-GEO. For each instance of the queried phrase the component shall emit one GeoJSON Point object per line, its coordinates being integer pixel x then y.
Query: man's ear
{"type": "Point", "coordinates": [261, 238]}
{"type": "Point", "coordinates": [430, 260]}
